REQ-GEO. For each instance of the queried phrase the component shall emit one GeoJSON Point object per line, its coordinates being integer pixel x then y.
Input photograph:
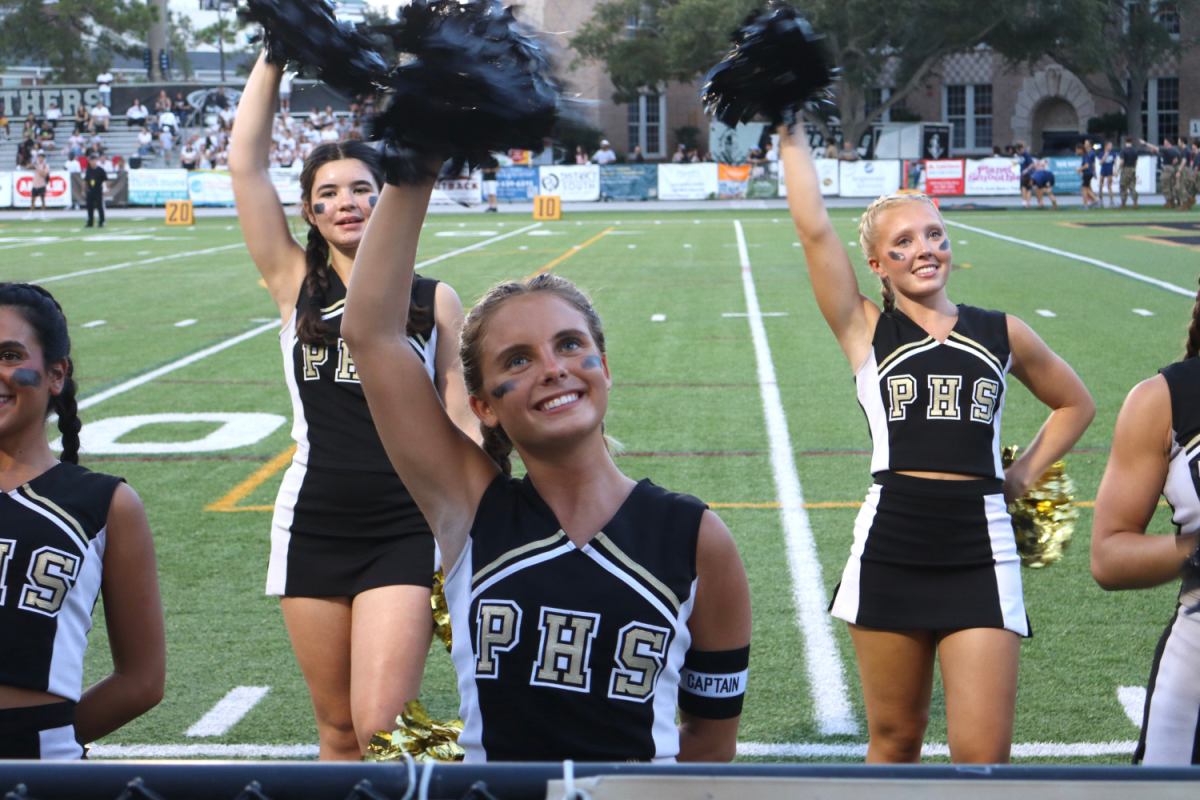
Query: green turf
{"type": "Point", "coordinates": [686, 405]}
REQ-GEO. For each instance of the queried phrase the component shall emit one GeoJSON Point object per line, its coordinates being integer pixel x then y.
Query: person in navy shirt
{"type": "Point", "coordinates": [1107, 161]}
{"type": "Point", "coordinates": [1043, 183]}
{"type": "Point", "coordinates": [1027, 168]}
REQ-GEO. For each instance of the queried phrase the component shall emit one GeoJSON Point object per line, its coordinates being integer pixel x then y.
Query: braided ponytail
{"type": "Point", "coordinates": [1193, 338]}
{"type": "Point", "coordinates": [889, 297]}
{"type": "Point", "coordinates": [498, 446]}
{"type": "Point", "coordinates": [43, 313]}
{"type": "Point", "coordinates": [310, 327]}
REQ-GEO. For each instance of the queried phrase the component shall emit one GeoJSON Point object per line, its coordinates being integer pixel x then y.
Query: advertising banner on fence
{"type": "Point", "coordinates": [1066, 179]}
{"type": "Point", "coordinates": [687, 181]}
{"type": "Point", "coordinates": [628, 182]}
{"type": "Point", "coordinates": [287, 184]}
{"type": "Point", "coordinates": [467, 191]}
{"type": "Point", "coordinates": [6, 189]}
{"type": "Point", "coordinates": [154, 187]}
{"type": "Point", "coordinates": [992, 176]}
{"type": "Point", "coordinates": [516, 184]}
{"type": "Point", "coordinates": [574, 184]}
{"type": "Point", "coordinates": [869, 178]}
{"type": "Point", "coordinates": [210, 187]}
{"type": "Point", "coordinates": [944, 177]}
{"type": "Point", "coordinates": [732, 182]}
{"type": "Point", "coordinates": [827, 171]}
{"type": "Point", "coordinates": [58, 190]}
{"type": "Point", "coordinates": [1147, 174]}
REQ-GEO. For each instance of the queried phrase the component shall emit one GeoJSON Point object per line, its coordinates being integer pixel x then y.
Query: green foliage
{"type": "Point", "coordinates": [223, 34]}
{"type": "Point", "coordinates": [688, 136]}
{"type": "Point", "coordinates": [182, 40]}
{"type": "Point", "coordinates": [905, 114]}
{"type": "Point", "coordinates": [1114, 124]}
{"type": "Point", "coordinates": [75, 38]}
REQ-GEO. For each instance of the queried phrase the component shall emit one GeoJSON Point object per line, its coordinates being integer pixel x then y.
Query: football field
{"type": "Point", "coordinates": [727, 385]}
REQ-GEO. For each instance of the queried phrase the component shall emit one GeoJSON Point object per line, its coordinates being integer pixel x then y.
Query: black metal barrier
{"type": "Point", "coordinates": [267, 780]}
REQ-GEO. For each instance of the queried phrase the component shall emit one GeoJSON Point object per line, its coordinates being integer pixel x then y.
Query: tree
{"type": "Point", "coordinates": [222, 32]}
{"type": "Point", "coordinates": [73, 37]}
{"type": "Point", "coordinates": [1110, 45]}
{"type": "Point", "coordinates": [645, 43]}
{"type": "Point", "coordinates": [182, 40]}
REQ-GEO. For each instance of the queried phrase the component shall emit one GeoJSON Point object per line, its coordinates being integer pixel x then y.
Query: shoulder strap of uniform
{"type": "Point", "coordinates": [1183, 382]}
{"type": "Point", "coordinates": [75, 494]}
{"type": "Point", "coordinates": [424, 293]}
{"type": "Point", "coordinates": [985, 328]}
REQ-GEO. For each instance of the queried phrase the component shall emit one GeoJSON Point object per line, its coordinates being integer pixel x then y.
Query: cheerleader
{"type": "Point", "coordinates": [586, 608]}
{"type": "Point", "coordinates": [933, 571]}
{"type": "Point", "coordinates": [351, 555]}
{"type": "Point", "coordinates": [1154, 452]}
{"type": "Point", "coordinates": [66, 535]}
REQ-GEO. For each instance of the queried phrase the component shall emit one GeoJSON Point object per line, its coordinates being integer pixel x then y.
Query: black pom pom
{"type": "Point", "coordinates": [473, 81]}
{"type": "Point", "coordinates": [777, 65]}
{"type": "Point", "coordinates": [306, 32]}
{"type": "Point", "coordinates": [404, 166]}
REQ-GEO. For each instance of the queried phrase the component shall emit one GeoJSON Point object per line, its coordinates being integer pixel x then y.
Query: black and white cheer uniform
{"type": "Point", "coordinates": [52, 537]}
{"type": "Point", "coordinates": [1171, 723]}
{"type": "Point", "coordinates": [344, 523]}
{"type": "Point", "coordinates": [934, 554]}
{"type": "Point", "coordinates": [574, 652]}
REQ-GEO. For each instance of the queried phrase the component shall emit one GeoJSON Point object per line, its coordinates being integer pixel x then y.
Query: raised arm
{"type": "Point", "coordinates": [276, 253]}
{"type": "Point", "coordinates": [850, 315]}
{"type": "Point", "coordinates": [1052, 381]}
{"type": "Point", "coordinates": [134, 617]}
{"type": "Point", "coordinates": [1123, 556]}
{"type": "Point", "coordinates": [450, 386]}
{"type": "Point", "coordinates": [445, 471]}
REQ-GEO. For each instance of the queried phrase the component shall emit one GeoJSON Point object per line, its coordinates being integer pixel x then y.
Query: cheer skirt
{"type": "Point", "coordinates": [1171, 720]}
{"type": "Point", "coordinates": [45, 732]}
{"type": "Point", "coordinates": [933, 555]}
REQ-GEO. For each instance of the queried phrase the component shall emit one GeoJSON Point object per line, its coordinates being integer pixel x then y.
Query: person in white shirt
{"type": "Point", "coordinates": [100, 117]}
{"type": "Point", "coordinates": [145, 141]}
{"type": "Point", "coordinates": [53, 114]}
{"type": "Point", "coordinates": [680, 155]}
{"type": "Point", "coordinates": [772, 159]}
{"type": "Point", "coordinates": [136, 115]}
{"type": "Point", "coordinates": [166, 140]}
{"type": "Point", "coordinates": [104, 83]}
{"type": "Point", "coordinates": [168, 121]}
{"type": "Point", "coordinates": [287, 122]}
{"type": "Point", "coordinates": [330, 133]}
{"type": "Point", "coordinates": [604, 155]}
{"type": "Point", "coordinates": [189, 156]}
{"type": "Point", "coordinates": [285, 92]}
{"type": "Point", "coordinates": [288, 141]}
{"type": "Point", "coordinates": [306, 147]}
{"type": "Point", "coordinates": [287, 156]}
{"type": "Point", "coordinates": [227, 115]}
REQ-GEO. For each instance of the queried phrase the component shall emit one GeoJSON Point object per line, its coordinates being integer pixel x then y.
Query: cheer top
{"type": "Point", "coordinates": [1182, 489]}
{"type": "Point", "coordinates": [52, 537]}
{"type": "Point", "coordinates": [573, 652]}
{"type": "Point", "coordinates": [935, 406]}
{"type": "Point", "coordinates": [332, 426]}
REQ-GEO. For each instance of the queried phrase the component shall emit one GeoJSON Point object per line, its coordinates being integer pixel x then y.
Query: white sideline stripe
{"type": "Point", "coordinates": [1170, 287]}
{"type": "Point", "coordinates": [229, 710]}
{"type": "Point", "coordinates": [154, 260]}
{"type": "Point", "coordinates": [477, 245]}
{"type": "Point", "coordinates": [1029, 750]}
{"type": "Point", "coordinates": [133, 383]}
{"type": "Point", "coordinates": [761, 749]}
{"type": "Point", "coordinates": [831, 703]}
{"type": "Point", "coordinates": [1133, 700]}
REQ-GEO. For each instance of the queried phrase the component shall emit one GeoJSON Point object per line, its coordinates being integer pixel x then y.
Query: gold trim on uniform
{"type": "Point", "coordinates": [52, 506]}
{"type": "Point", "coordinates": [515, 553]}
{"type": "Point", "coordinates": [983, 350]}
{"type": "Point", "coordinates": [638, 569]}
{"type": "Point", "coordinates": [899, 351]}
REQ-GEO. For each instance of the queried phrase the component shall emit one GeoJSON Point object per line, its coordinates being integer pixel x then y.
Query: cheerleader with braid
{"type": "Point", "coordinates": [1155, 451]}
{"type": "Point", "coordinates": [933, 570]}
{"type": "Point", "coordinates": [66, 535]}
{"type": "Point", "coordinates": [351, 555]}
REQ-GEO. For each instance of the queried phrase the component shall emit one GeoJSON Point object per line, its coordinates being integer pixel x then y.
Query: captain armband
{"type": "Point", "coordinates": [712, 683]}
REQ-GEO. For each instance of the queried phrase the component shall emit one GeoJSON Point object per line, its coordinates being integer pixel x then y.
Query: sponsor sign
{"type": "Point", "coordinates": [465, 191]}
{"type": "Point", "coordinates": [1066, 179]}
{"type": "Point", "coordinates": [1195, 130]}
{"type": "Point", "coordinates": [628, 182]}
{"type": "Point", "coordinates": [732, 181]}
{"type": "Point", "coordinates": [516, 184]}
{"type": "Point", "coordinates": [572, 183]}
{"type": "Point", "coordinates": [827, 172]}
{"type": "Point", "coordinates": [1146, 175]}
{"type": "Point", "coordinates": [935, 141]}
{"type": "Point", "coordinates": [687, 181]}
{"type": "Point", "coordinates": [993, 176]}
{"type": "Point", "coordinates": [154, 187]}
{"type": "Point", "coordinates": [869, 178]}
{"type": "Point", "coordinates": [945, 176]}
{"type": "Point", "coordinates": [6, 189]}
{"type": "Point", "coordinates": [210, 187]}
{"type": "Point", "coordinates": [58, 189]}
{"type": "Point", "coordinates": [521, 158]}
{"type": "Point", "coordinates": [287, 184]}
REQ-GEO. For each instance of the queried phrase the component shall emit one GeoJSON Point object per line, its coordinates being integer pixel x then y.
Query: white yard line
{"type": "Point", "coordinates": [477, 245]}
{"type": "Point", "coordinates": [831, 702]}
{"type": "Point", "coordinates": [229, 711]}
{"type": "Point", "coordinates": [1133, 700]}
{"type": "Point", "coordinates": [133, 383]}
{"type": "Point", "coordinates": [1170, 287]}
{"type": "Point", "coordinates": [154, 260]}
{"type": "Point", "coordinates": [203, 751]}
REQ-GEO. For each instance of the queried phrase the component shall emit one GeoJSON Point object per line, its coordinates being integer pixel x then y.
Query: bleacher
{"type": "Point", "coordinates": [121, 140]}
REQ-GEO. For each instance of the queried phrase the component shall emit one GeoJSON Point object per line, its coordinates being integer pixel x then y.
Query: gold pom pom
{"type": "Point", "coordinates": [1044, 519]}
{"type": "Point", "coordinates": [441, 612]}
{"type": "Point", "coordinates": [420, 736]}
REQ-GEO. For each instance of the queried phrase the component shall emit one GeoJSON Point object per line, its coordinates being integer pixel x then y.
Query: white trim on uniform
{"type": "Point", "coordinates": [462, 653]}
{"type": "Point", "coordinates": [293, 479]}
{"type": "Point", "coordinates": [58, 744]}
{"type": "Point", "coordinates": [845, 602]}
{"type": "Point", "coordinates": [998, 420]}
{"type": "Point", "coordinates": [73, 622]}
{"type": "Point", "coordinates": [1174, 706]}
{"type": "Point", "coordinates": [870, 397]}
{"type": "Point", "coordinates": [1008, 564]}
{"type": "Point", "coordinates": [520, 565]}
{"type": "Point", "coordinates": [76, 537]}
{"type": "Point", "coordinates": [664, 730]}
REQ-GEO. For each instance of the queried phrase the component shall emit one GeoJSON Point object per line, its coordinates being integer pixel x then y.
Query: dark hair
{"type": "Point", "coordinates": [495, 441]}
{"type": "Point", "coordinates": [311, 329]}
{"type": "Point", "coordinates": [39, 308]}
{"type": "Point", "coordinates": [1192, 345]}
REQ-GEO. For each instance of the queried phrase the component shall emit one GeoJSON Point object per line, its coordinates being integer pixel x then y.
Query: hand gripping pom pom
{"type": "Point", "coordinates": [472, 80]}
{"type": "Point", "coordinates": [777, 65]}
{"type": "Point", "coordinates": [1044, 519]}
{"type": "Point", "coordinates": [420, 736]}
{"type": "Point", "coordinates": [306, 32]}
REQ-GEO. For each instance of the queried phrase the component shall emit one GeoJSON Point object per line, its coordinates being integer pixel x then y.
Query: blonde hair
{"type": "Point", "coordinates": [868, 232]}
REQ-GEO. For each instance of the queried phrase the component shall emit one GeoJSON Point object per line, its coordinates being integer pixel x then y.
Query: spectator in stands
{"type": "Point", "coordinates": [4, 121]}
{"type": "Point", "coordinates": [637, 157]}
{"type": "Point", "coordinates": [166, 140]}
{"type": "Point", "coordinates": [182, 109]}
{"type": "Point", "coordinates": [189, 155]}
{"type": "Point", "coordinates": [41, 179]}
{"type": "Point", "coordinates": [605, 155]}
{"type": "Point", "coordinates": [581, 158]}
{"type": "Point", "coordinates": [145, 141]}
{"type": "Point", "coordinates": [287, 122]}
{"type": "Point", "coordinates": [287, 139]}
{"type": "Point", "coordinates": [136, 116]}
{"type": "Point", "coordinates": [217, 99]}
{"type": "Point", "coordinates": [104, 82]}
{"type": "Point", "coordinates": [53, 114]}
{"type": "Point", "coordinates": [329, 133]}
{"type": "Point", "coordinates": [100, 116]}
{"type": "Point", "coordinates": [848, 152]}
{"type": "Point", "coordinates": [82, 119]}
{"type": "Point", "coordinates": [168, 122]}
{"type": "Point", "coordinates": [317, 118]}
{"type": "Point", "coordinates": [25, 154]}
{"type": "Point", "coordinates": [162, 102]}
{"type": "Point", "coordinates": [680, 154]}
{"type": "Point", "coordinates": [831, 151]}
{"type": "Point", "coordinates": [226, 116]}
{"type": "Point", "coordinates": [285, 91]}
{"type": "Point", "coordinates": [96, 142]}
{"type": "Point", "coordinates": [46, 137]}
{"type": "Point", "coordinates": [75, 145]}
{"type": "Point", "coordinates": [30, 131]}
{"type": "Point", "coordinates": [287, 156]}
